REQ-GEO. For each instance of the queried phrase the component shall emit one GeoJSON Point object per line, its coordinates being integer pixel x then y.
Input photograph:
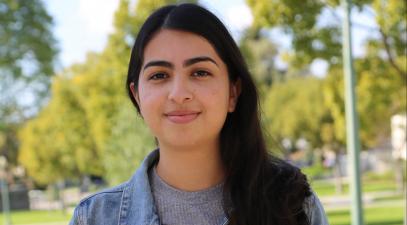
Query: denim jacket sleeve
{"type": "Point", "coordinates": [76, 219]}
{"type": "Point", "coordinates": [99, 208]}
{"type": "Point", "coordinates": [315, 211]}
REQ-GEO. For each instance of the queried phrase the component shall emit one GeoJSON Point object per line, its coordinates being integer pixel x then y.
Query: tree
{"type": "Point", "coordinates": [260, 54]}
{"type": "Point", "coordinates": [380, 94]}
{"type": "Point", "coordinates": [381, 70]}
{"type": "Point", "coordinates": [129, 143]}
{"type": "Point", "coordinates": [27, 50]}
{"type": "Point", "coordinates": [54, 144]}
{"type": "Point", "coordinates": [312, 39]}
{"type": "Point", "coordinates": [299, 19]}
{"type": "Point", "coordinates": [27, 53]}
{"type": "Point", "coordinates": [294, 109]}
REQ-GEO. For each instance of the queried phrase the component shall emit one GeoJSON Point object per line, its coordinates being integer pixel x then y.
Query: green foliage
{"type": "Point", "coordinates": [299, 19]}
{"type": "Point", "coordinates": [380, 94]}
{"type": "Point", "coordinates": [333, 91]}
{"type": "Point", "coordinates": [391, 18]}
{"type": "Point", "coordinates": [53, 148]}
{"type": "Point", "coordinates": [294, 109]}
{"type": "Point", "coordinates": [381, 73]}
{"type": "Point", "coordinates": [314, 109]}
{"type": "Point", "coordinates": [129, 143]}
{"type": "Point", "coordinates": [311, 40]}
{"type": "Point", "coordinates": [316, 171]}
{"type": "Point", "coordinates": [25, 37]}
{"type": "Point", "coordinates": [260, 54]}
{"type": "Point", "coordinates": [9, 140]}
{"type": "Point", "coordinates": [27, 52]}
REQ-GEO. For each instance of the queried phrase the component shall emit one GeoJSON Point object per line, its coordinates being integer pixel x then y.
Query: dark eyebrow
{"type": "Point", "coordinates": [159, 63]}
{"type": "Point", "coordinates": [194, 60]}
{"type": "Point", "coordinates": [187, 62]}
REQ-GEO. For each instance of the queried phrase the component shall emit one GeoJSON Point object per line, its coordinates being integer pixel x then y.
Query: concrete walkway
{"type": "Point", "coordinates": [369, 199]}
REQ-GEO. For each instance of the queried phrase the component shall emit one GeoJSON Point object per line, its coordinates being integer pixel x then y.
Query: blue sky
{"type": "Point", "coordinates": [83, 25]}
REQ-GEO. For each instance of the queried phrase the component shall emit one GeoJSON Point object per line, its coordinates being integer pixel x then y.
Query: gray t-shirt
{"type": "Point", "coordinates": [177, 207]}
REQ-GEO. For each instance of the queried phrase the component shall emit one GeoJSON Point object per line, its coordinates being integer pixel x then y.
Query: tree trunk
{"type": "Point", "coordinates": [338, 175]}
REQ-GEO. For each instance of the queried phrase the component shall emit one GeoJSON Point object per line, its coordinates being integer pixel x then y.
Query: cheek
{"type": "Point", "coordinates": [221, 94]}
{"type": "Point", "coordinates": [150, 101]}
{"type": "Point", "coordinates": [217, 99]}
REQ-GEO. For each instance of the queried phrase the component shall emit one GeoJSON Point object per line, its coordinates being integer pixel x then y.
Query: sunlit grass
{"type": "Point", "coordinates": [37, 217]}
{"type": "Point", "coordinates": [325, 188]}
{"type": "Point", "coordinates": [389, 215]}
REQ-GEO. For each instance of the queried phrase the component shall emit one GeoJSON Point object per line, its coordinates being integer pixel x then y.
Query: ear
{"type": "Point", "coordinates": [135, 93]}
{"type": "Point", "coordinates": [235, 89]}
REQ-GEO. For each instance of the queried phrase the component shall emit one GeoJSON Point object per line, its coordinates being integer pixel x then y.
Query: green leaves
{"type": "Point", "coordinates": [26, 38]}
{"type": "Point", "coordinates": [27, 55]}
{"type": "Point", "coordinates": [294, 109]}
{"type": "Point", "coordinates": [381, 72]}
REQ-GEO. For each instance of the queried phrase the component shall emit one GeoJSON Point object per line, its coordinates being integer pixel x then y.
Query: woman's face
{"type": "Point", "coordinates": [184, 93]}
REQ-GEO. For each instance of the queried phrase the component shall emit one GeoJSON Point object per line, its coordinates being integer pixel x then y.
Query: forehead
{"type": "Point", "coordinates": [174, 45]}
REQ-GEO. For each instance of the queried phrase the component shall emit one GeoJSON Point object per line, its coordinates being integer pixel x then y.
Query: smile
{"type": "Point", "coordinates": [182, 116]}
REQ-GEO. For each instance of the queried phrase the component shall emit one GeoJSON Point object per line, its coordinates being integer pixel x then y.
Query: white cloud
{"type": "Point", "coordinates": [239, 17]}
{"type": "Point", "coordinates": [98, 15]}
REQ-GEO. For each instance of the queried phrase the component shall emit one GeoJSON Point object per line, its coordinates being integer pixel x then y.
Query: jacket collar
{"type": "Point", "coordinates": [137, 205]}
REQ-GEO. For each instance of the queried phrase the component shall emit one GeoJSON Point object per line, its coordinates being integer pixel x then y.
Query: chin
{"type": "Point", "coordinates": [183, 141]}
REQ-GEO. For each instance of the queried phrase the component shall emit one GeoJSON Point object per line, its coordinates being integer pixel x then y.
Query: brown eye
{"type": "Point", "coordinates": [158, 76]}
{"type": "Point", "coordinates": [201, 73]}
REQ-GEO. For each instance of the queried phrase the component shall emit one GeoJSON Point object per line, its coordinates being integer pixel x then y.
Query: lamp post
{"type": "Point", "coordinates": [4, 191]}
{"type": "Point", "coordinates": [352, 123]}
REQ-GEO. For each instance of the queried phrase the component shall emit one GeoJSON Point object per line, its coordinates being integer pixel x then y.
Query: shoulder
{"type": "Point", "coordinates": [288, 180]}
{"type": "Point", "coordinates": [103, 204]}
{"type": "Point", "coordinates": [111, 205]}
{"type": "Point", "coordinates": [294, 185]}
{"type": "Point", "coordinates": [315, 211]}
{"type": "Point", "coordinates": [110, 195]}
{"type": "Point", "coordinates": [289, 187]}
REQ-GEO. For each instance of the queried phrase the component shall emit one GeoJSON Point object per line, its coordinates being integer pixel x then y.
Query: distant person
{"type": "Point", "coordinates": [190, 83]}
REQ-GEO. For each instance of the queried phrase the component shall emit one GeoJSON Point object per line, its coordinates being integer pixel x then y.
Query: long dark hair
{"type": "Point", "coordinates": [260, 188]}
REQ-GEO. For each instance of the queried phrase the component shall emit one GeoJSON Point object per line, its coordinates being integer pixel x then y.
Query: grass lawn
{"type": "Point", "coordinates": [324, 188]}
{"type": "Point", "coordinates": [389, 215]}
{"type": "Point", "coordinates": [385, 210]}
{"type": "Point", "coordinates": [37, 217]}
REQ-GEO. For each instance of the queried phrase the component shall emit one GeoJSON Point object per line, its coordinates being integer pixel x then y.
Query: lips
{"type": "Point", "coordinates": [184, 116]}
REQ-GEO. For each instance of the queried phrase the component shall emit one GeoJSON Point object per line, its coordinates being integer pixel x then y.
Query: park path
{"type": "Point", "coordinates": [369, 199]}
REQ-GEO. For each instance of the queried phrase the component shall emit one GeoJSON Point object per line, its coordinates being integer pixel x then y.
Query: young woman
{"type": "Point", "coordinates": [188, 80]}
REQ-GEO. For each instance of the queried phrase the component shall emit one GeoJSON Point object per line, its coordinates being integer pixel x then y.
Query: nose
{"type": "Point", "coordinates": [180, 90]}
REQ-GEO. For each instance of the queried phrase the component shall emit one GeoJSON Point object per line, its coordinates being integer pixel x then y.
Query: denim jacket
{"type": "Point", "coordinates": [132, 203]}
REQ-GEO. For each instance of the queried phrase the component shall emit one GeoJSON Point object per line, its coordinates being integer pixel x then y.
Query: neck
{"type": "Point", "coordinates": [190, 168]}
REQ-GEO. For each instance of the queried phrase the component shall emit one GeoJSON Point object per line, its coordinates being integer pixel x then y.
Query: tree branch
{"type": "Point", "coordinates": [402, 73]}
